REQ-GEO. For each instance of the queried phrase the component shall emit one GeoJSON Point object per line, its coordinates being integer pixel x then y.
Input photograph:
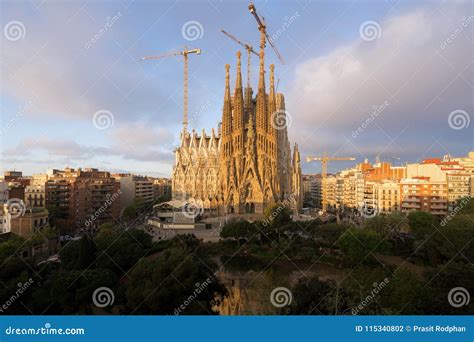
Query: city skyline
{"type": "Point", "coordinates": [332, 81]}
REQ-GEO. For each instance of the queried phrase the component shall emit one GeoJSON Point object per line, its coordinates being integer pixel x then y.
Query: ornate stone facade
{"type": "Point", "coordinates": [248, 164]}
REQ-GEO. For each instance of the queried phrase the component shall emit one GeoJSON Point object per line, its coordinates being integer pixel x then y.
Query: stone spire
{"type": "Point", "coordinates": [238, 121]}
{"type": "Point", "coordinates": [272, 115]}
{"type": "Point", "coordinates": [261, 98]}
{"type": "Point", "coordinates": [227, 110]}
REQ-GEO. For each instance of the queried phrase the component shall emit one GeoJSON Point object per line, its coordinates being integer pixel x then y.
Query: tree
{"type": "Point", "coordinates": [176, 280]}
{"type": "Point", "coordinates": [450, 282]}
{"type": "Point", "coordinates": [312, 296]}
{"type": "Point", "coordinates": [238, 230]}
{"type": "Point", "coordinates": [86, 252]}
{"type": "Point", "coordinates": [388, 225]}
{"type": "Point", "coordinates": [359, 245]}
{"type": "Point", "coordinates": [422, 224]}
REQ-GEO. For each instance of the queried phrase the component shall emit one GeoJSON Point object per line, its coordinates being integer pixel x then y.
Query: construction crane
{"type": "Point", "coordinates": [185, 54]}
{"type": "Point", "coordinates": [263, 33]}
{"type": "Point", "coordinates": [249, 49]}
{"type": "Point", "coordinates": [324, 162]}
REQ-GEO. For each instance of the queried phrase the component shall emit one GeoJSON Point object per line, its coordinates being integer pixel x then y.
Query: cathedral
{"type": "Point", "coordinates": [247, 165]}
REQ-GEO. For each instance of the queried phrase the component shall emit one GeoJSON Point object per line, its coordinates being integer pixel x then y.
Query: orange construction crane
{"type": "Point", "coordinates": [263, 33]}
{"type": "Point", "coordinates": [185, 54]}
{"type": "Point", "coordinates": [247, 47]}
{"type": "Point", "coordinates": [324, 162]}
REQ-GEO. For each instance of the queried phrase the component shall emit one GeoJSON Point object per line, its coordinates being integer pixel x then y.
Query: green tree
{"type": "Point", "coordinates": [422, 224]}
{"type": "Point", "coordinates": [174, 278]}
{"type": "Point", "coordinates": [312, 297]}
{"type": "Point", "coordinates": [359, 245]}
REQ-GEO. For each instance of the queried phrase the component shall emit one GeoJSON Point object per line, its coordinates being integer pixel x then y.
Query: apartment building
{"type": "Point", "coordinates": [161, 188]}
{"type": "Point", "coordinates": [387, 196]}
{"type": "Point", "coordinates": [31, 222]}
{"type": "Point", "coordinates": [35, 196]}
{"type": "Point", "coordinates": [134, 189]}
{"type": "Point", "coordinates": [86, 198]}
{"type": "Point", "coordinates": [422, 194]}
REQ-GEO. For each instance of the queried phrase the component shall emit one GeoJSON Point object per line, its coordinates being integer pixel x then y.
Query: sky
{"type": "Point", "coordinates": [367, 78]}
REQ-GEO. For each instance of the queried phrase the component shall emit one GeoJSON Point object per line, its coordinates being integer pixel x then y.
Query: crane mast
{"type": "Point", "coordinates": [247, 47]}
{"type": "Point", "coordinates": [185, 54]}
{"type": "Point", "coordinates": [324, 163]}
{"type": "Point", "coordinates": [263, 33]}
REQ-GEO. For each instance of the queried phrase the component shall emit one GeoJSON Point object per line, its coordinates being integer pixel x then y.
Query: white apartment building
{"type": "Point", "coordinates": [134, 188]}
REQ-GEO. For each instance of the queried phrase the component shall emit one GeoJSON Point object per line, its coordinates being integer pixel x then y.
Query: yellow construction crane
{"type": "Point", "coordinates": [185, 54]}
{"type": "Point", "coordinates": [263, 33]}
{"type": "Point", "coordinates": [247, 47]}
{"type": "Point", "coordinates": [324, 162]}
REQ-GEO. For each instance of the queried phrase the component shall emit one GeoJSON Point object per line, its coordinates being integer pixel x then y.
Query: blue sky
{"type": "Point", "coordinates": [54, 78]}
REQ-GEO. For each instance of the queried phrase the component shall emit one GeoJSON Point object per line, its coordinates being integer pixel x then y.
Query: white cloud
{"type": "Point", "coordinates": [333, 95]}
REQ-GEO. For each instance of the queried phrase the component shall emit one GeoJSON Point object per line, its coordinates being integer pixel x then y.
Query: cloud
{"type": "Point", "coordinates": [407, 68]}
{"type": "Point", "coordinates": [64, 150]}
{"type": "Point", "coordinates": [65, 79]}
{"type": "Point", "coordinates": [140, 134]}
